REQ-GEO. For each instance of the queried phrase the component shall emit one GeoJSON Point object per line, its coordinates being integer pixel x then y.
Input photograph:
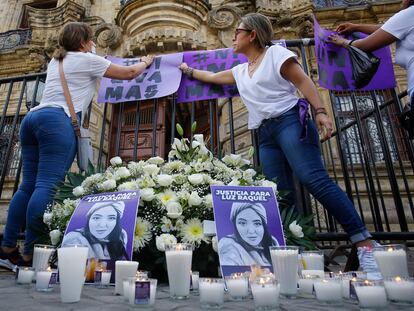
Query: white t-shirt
{"type": "Point", "coordinates": [82, 71]}
{"type": "Point", "coordinates": [267, 94]}
{"type": "Point", "coordinates": [401, 26]}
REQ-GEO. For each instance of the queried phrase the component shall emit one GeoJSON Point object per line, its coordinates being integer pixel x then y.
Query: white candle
{"type": "Point", "coordinates": [179, 258]}
{"type": "Point", "coordinates": [371, 296]}
{"type": "Point", "coordinates": [43, 280]}
{"type": "Point", "coordinates": [328, 290]}
{"type": "Point", "coordinates": [312, 260]}
{"type": "Point", "coordinates": [285, 265]}
{"type": "Point", "coordinates": [306, 286]}
{"type": "Point", "coordinates": [41, 256]}
{"type": "Point", "coordinates": [123, 270]}
{"type": "Point", "coordinates": [391, 261]}
{"type": "Point", "coordinates": [400, 290]}
{"type": "Point", "coordinates": [72, 267]}
{"type": "Point", "coordinates": [265, 294]}
{"type": "Point", "coordinates": [238, 287]}
{"type": "Point", "coordinates": [316, 273]}
{"type": "Point", "coordinates": [106, 277]}
{"type": "Point", "coordinates": [25, 275]}
{"type": "Point", "coordinates": [211, 292]}
{"type": "Point", "coordinates": [194, 279]}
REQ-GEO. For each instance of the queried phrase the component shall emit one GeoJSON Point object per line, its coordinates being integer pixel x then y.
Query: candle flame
{"type": "Point", "coordinates": [390, 249]}
{"type": "Point", "coordinates": [398, 279]}
{"type": "Point", "coordinates": [48, 269]}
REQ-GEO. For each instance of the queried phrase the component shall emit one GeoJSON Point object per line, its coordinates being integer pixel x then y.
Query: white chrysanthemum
{"type": "Point", "coordinates": [147, 194]}
{"type": "Point", "coordinates": [129, 185]}
{"type": "Point", "coordinates": [142, 233]}
{"type": "Point", "coordinates": [174, 166]}
{"type": "Point", "coordinates": [214, 244]}
{"type": "Point", "coordinates": [192, 232]}
{"type": "Point", "coordinates": [167, 196]}
{"type": "Point", "coordinates": [194, 199]}
{"type": "Point", "coordinates": [107, 185]}
{"type": "Point", "coordinates": [47, 218]}
{"type": "Point", "coordinates": [164, 239]}
{"type": "Point", "coordinates": [55, 236]}
{"type": "Point", "coordinates": [92, 180]}
{"type": "Point", "coordinates": [151, 169]}
{"type": "Point", "coordinates": [155, 160]}
{"type": "Point", "coordinates": [115, 161]}
{"type": "Point", "coordinates": [167, 225]}
{"type": "Point", "coordinates": [78, 191]}
{"type": "Point", "coordinates": [183, 195]}
{"type": "Point", "coordinates": [208, 201]}
{"type": "Point", "coordinates": [136, 168]}
{"type": "Point", "coordinates": [180, 179]}
{"type": "Point", "coordinates": [146, 182]}
{"type": "Point", "coordinates": [164, 180]}
{"type": "Point", "coordinates": [196, 179]}
{"type": "Point", "coordinates": [121, 173]}
{"type": "Point", "coordinates": [174, 209]}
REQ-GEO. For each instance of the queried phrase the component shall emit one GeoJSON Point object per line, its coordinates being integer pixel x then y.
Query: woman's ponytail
{"type": "Point", "coordinates": [60, 53]}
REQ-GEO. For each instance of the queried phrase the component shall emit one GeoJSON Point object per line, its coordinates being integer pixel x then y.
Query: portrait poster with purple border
{"type": "Point", "coordinates": [247, 222]}
{"type": "Point", "coordinates": [105, 223]}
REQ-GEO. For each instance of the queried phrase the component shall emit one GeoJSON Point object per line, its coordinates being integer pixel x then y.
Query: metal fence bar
{"type": "Point", "coordinates": [154, 126]}
{"type": "Point", "coordinates": [136, 129]}
{"type": "Point", "coordinates": [231, 124]}
{"type": "Point", "coordinates": [102, 139]}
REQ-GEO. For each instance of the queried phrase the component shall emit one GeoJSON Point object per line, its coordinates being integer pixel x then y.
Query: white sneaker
{"type": "Point", "coordinates": [367, 262]}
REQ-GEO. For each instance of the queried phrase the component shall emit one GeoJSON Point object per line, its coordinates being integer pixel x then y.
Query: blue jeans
{"type": "Point", "coordinates": [281, 153]}
{"type": "Point", "coordinates": [48, 145]}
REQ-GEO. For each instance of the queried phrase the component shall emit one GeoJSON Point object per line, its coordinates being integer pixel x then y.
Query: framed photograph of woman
{"type": "Point", "coordinates": [247, 224]}
{"type": "Point", "coordinates": [105, 223]}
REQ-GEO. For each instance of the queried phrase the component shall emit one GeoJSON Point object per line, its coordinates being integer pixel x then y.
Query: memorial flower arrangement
{"type": "Point", "coordinates": [175, 199]}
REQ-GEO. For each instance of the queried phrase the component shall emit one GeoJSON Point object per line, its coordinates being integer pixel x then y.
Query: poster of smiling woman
{"type": "Point", "coordinates": [105, 223]}
{"type": "Point", "coordinates": [247, 224]}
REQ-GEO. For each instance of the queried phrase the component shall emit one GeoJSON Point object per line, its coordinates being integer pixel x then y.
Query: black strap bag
{"type": "Point", "coordinates": [364, 66]}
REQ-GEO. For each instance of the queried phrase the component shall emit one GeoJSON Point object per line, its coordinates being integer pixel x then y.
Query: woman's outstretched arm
{"type": "Point", "coordinates": [222, 77]}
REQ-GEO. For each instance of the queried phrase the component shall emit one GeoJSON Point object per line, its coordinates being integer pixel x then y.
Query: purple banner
{"type": "Point", "coordinates": [334, 64]}
{"type": "Point", "coordinates": [247, 224]}
{"type": "Point", "coordinates": [214, 61]}
{"type": "Point", "coordinates": [162, 78]}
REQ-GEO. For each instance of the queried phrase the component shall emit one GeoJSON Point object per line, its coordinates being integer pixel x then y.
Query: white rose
{"type": "Point", "coordinates": [165, 180]}
{"type": "Point", "coordinates": [47, 218]}
{"type": "Point", "coordinates": [249, 174]}
{"type": "Point", "coordinates": [268, 183]}
{"type": "Point", "coordinates": [155, 160]}
{"type": "Point", "coordinates": [296, 229]}
{"type": "Point", "coordinates": [174, 209]}
{"type": "Point", "coordinates": [151, 169]}
{"type": "Point", "coordinates": [214, 243]}
{"type": "Point", "coordinates": [78, 191]}
{"type": "Point", "coordinates": [121, 173]}
{"type": "Point", "coordinates": [208, 200]}
{"type": "Point", "coordinates": [108, 185]}
{"type": "Point", "coordinates": [147, 194]}
{"type": "Point", "coordinates": [196, 179]}
{"type": "Point", "coordinates": [164, 239]}
{"type": "Point", "coordinates": [55, 236]}
{"type": "Point", "coordinates": [194, 199]}
{"type": "Point", "coordinates": [115, 161]}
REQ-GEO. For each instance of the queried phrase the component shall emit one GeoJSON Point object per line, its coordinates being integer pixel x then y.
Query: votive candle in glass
{"type": "Point", "coordinates": [102, 277]}
{"type": "Point", "coordinates": [391, 260]}
{"type": "Point", "coordinates": [328, 290]}
{"type": "Point", "coordinates": [142, 292]}
{"type": "Point", "coordinates": [179, 257]}
{"type": "Point", "coordinates": [312, 260]}
{"type": "Point", "coordinates": [41, 256]}
{"type": "Point", "coordinates": [348, 291]}
{"type": "Point", "coordinates": [44, 281]}
{"type": "Point", "coordinates": [237, 286]}
{"type": "Point", "coordinates": [24, 275]}
{"type": "Point", "coordinates": [265, 290]}
{"type": "Point", "coordinates": [400, 290]}
{"type": "Point", "coordinates": [285, 267]}
{"type": "Point", "coordinates": [195, 276]}
{"type": "Point", "coordinates": [305, 284]}
{"type": "Point", "coordinates": [371, 294]}
{"type": "Point", "coordinates": [211, 292]}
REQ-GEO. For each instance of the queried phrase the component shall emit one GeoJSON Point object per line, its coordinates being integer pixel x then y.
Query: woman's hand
{"type": "Point", "coordinates": [346, 28]}
{"type": "Point", "coordinates": [324, 125]}
{"type": "Point", "coordinates": [183, 67]}
{"type": "Point", "coordinates": [338, 40]}
{"type": "Point", "coordinates": [147, 60]}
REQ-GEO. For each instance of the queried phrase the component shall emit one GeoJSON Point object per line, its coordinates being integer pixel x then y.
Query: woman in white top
{"type": "Point", "coordinates": [399, 28]}
{"type": "Point", "coordinates": [47, 137]}
{"type": "Point", "coordinates": [267, 85]}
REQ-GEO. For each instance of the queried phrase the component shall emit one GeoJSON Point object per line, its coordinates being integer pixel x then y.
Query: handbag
{"type": "Point", "coordinates": [406, 119]}
{"type": "Point", "coordinates": [83, 137]}
{"type": "Point", "coordinates": [364, 66]}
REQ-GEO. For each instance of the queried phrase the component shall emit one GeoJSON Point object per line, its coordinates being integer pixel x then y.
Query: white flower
{"type": "Point", "coordinates": [142, 233]}
{"type": "Point", "coordinates": [234, 182]}
{"type": "Point", "coordinates": [146, 182]}
{"type": "Point", "coordinates": [155, 160]}
{"type": "Point", "coordinates": [177, 145]}
{"type": "Point", "coordinates": [296, 229]}
{"type": "Point", "coordinates": [194, 199]}
{"type": "Point", "coordinates": [136, 168]}
{"type": "Point", "coordinates": [215, 182]}
{"type": "Point", "coordinates": [233, 160]}
{"type": "Point", "coordinates": [121, 173]}
{"type": "Point", "coordinates": [151, 169]}
{"type": "Point", "coordinates": [78, 191]}
{"type": "Point", "coordinates": [179, 223]}
{"type": "Point", "coordinates": [214, 244]}
{"type": "Point", "coordinates": [164, 239]}
{"type": "Point", "coordinates": [195, 144]}
{"type": "Point", "coordinates": [174, 209]}
{"type": "Point", "coordinates": [129, 185]}
{"type": "Point", "coordinates": [115, 161]}
{"type": "Point", "coordinates": [183, 195]}
{"type": "Point", "coordinates": [192, 232]}
{"type": "Point", "coordinates": [167, 196]}
{"type": "Point", "coordinates": [167, 225]}
{"type": "Point", "coordinates": [55, 236]}
{"type": "Point", "coordinates": [47, 218]}
{"type": "Point", "coordinates": [208, 201]}
{"type": "Point", "coordinates": [174, 166]}
{"type": "Point", "coordinates": [268, 183]}
{"type": "Point", "coordinates": [196, 179]}
{"type": "Point", "coordinates": [147, 194]}
{"type": "Point", "coordinates": [109, 184]}
{"type": "Point", "coordinates": [199, 138]}
{"type": "Point", "coordinates": [164, 180]}
{"type": "Point", "coordinates": [92, 180]}
{"type": "Point", "coordinates": [249, 174]}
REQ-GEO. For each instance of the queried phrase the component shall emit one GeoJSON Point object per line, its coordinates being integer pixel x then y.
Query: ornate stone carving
{"type": "Point", "coordinates": [224, 17]}
{"type": "Point", "coordinates": [12, 39]}
{"type": "Point", "coordinates": [108, 35]}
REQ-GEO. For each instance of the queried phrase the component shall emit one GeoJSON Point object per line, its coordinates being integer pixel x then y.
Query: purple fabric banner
{"type": "Point", "coordinates": [214, 61]}
{"type": "Point", "coordinates": [162, 78]}
{"type": "Point", "coordinates": [334, 65]}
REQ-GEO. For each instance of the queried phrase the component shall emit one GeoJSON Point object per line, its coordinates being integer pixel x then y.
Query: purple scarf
{"type": "Point", "coordinates": [303, 117]}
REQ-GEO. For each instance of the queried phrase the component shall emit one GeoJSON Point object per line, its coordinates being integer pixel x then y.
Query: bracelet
{"type": "Point", "coordinates": [189, 72]}
{"type": "Point", "coordinates": [320, 109]}
{"type": "Point", "coordinates": [146, 64]}
{"type": "Point", "coordinates": [321, 112]}
{"type": "Point", "coordinates": [350, 42]}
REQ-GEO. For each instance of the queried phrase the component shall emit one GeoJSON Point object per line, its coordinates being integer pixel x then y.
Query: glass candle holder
{"type": "Point", "coordinates": [391, 260]}
{"type": "Point", "coordinates": [371, 294]}
{"type": "Point", "coordinates": [305, 284]}
{"type": "Point", "coordinates": [312, 260]}
{"type": "Point", "coordinates": [24, 275]}
{"type": "Point", "coordinates": [41, 256]}
{"type": "Point", "coordinates": [348, 290]}
{"type": "Point", "coordinates": [195, 276]}
{"type": "Point", "coordinates": [400, 290]}
{"type": "Point", "coordinates": [142, 274]}
{"type": "Point", "coordinates": [265, 290]}
{"type": "Point", "coordinates": [141, 292]}
{"type": "Point", "coordinates": [285, 267]}
{"type": "Point", "coordinates": [102, 278]}
{"type": "Point", "coordinates": [328, 290]}
{"type": "Point", "coordinates": [211, 293]}
{"type": "Point", "coordinates": [46, 279]}
{"type": "Point", "coordinates": [237, 286]}
{"type": "Point", "coordinates": [179, 257]}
